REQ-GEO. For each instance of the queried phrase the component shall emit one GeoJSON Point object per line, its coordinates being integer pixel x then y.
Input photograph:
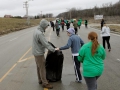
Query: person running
{"type": "Point", "coordinates": [75, 26]}
{"type": "Point", "coordinates": [106, 36]}
{"type": "Point", "coordinates": [75, 42]}
{"type": "Point", "coordinates": [92, 56]}
{"type": "Point", "coordinates": [38, 50]}
{"type": "Point", "coordinates": [57, 26]}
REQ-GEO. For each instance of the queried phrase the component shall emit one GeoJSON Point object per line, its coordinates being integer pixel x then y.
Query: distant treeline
{"type": "Point", "coordinates": [106, 10]}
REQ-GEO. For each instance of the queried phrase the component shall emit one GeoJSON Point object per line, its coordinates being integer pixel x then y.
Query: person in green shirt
{"type": "Point", "coordinates": [92, 56]}
{"type": "Point", "coordinates": [79, 23]}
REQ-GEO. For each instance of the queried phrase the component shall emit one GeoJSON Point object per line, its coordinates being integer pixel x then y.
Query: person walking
{"type": "Point", "coordinates": [79, 23]}
{"type": "Point", "coordinates": [38, 50]}
{"type": "Point", "coordinates": [75, 26]}
{"type": "Point", "coordinates": [57, 26]}
{"type": "Point", "coordinates": [86, 23]}
{"type": "Point", "coordinates": [92, 56]}
{"type": "Point", "coordinates": [102, 22]}
{"type": "Point", "coordinates": [75, 42]}
{"type": "Point", "coordinates": [62, 24]}
{"type": "Point", "coordinates": [68, 25]}
{"type": "Point", "coordinates": [106, 36]}
{"type": "Point", "coordinates": [52, 25]}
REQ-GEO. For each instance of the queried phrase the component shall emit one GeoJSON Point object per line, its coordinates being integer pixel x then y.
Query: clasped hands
{"type": "Point", "coordinates": [57, 48]}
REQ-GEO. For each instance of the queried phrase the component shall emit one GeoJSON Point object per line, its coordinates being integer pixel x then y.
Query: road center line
{"type": "Point", "coordinates": [13, 67]}
{"type": "Point", "coordinates": [20, 60]}
{"type": "Point", "coordinates": [8, 72]}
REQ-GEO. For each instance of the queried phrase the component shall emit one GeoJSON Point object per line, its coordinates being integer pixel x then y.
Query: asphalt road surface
{"type": "Point", "coordinates": [18, 68]}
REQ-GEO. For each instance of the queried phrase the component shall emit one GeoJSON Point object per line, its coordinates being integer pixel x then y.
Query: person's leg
{"type": "Point", "coordinates": [104, 42]}
{"type": "Point", "coordinates": [96, 81]}
{"type": "Point", "coordinates": [77, 69]}
{"type": "Point", "coordinates": [40, 61]}
{"type": "Point", "coordinates": [108, 43]}
{"type": "Point", "coordinates": [75, 30]}
{"type": "Point", "coordinates": [57, 32]}
{"type": "Point", "coordinates": [39, 78]}
{"type": "Point", "coordinates": [62, 27]}
{"type": "Point", "coordinates": [53, 28]}
{"type": "Point", "coordinates": [91, 83]}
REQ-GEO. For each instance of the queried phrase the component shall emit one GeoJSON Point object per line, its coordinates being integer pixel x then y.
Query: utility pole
{"type": "Point", "coordinates": [26, 5]}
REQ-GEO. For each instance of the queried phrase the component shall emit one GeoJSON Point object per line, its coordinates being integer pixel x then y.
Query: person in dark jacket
{"type": "Point", "coordinates": [52, 25]}
{"type": "Point", "coordinates": [75, 42]}
{"type": "Point", "coordinates": [86, 23]}
{"type": "Point", "coordinates": [102, 22]}
{"type": "Point", "coordinates": [62, 24]}
{"type": "Point", "coordinates": [68, 25]}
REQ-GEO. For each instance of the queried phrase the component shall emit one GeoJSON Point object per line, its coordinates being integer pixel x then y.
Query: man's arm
{"type": "Point", "coordinates": [45, 43]}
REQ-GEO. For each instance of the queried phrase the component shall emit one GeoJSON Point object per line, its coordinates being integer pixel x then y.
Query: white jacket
{"type": "Point", "coordinates": [105, 31]}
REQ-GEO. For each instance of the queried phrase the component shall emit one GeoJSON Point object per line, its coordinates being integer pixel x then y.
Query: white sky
{"type": "Point", "coordinates": [15, 7]}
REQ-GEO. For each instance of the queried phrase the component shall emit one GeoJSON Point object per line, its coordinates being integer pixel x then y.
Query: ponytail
{"type": "Point", "coordinates": [93, 37]}
{"type": "Point", "coordinates": [94, 46]}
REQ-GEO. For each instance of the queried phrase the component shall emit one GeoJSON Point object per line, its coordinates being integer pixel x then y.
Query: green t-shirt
{"type": "Point", "coordinates": [93, 65]}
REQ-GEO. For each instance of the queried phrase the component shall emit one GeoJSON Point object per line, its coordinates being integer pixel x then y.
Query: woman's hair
{"type": "Point", "coordinates": [93, 37]}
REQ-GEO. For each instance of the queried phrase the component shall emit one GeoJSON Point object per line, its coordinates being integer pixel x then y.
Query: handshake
{"type": "Point", "coordinates": [57, 49]}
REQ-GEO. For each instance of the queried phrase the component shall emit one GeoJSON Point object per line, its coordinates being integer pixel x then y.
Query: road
{"type": "Point", "coordinates": [18, 68]}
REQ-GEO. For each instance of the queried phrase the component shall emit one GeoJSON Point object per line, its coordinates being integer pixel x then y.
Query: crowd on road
{"type": "Point", "coordinates": [90, 54]}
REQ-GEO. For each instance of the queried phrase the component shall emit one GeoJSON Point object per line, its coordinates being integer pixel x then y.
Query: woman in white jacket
{"type": "Point", "coordinates": [106, 36]}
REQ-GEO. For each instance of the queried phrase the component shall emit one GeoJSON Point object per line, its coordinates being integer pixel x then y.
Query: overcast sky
{"type": "Point", "coordinates": [15, 7]}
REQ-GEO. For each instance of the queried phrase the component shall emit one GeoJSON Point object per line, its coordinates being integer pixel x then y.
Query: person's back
{"type": "Point", "coordinates": [75, 24]}
{"type": "Point", "coordinates": [62, 23]}
{"type": "Point", "coordinates": [105, 31]}
{"type": "Point", "coordinates": [76, 43]}
{"type": "Point", "coordinates": [79, 23]}
{"type": "Point", "coordinates": [93, 63]}
{"type": "Point", "coordinates": [52, 24]}
{"type": "Point", "coordinates": [57, 25]}
{"type": "Point", "coordinates": [92, 56]}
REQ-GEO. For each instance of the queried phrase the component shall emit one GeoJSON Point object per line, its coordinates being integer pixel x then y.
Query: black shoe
{"type": "Point", "coordinates": [109, 50]}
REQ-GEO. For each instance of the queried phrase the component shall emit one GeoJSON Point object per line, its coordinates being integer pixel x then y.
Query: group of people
{"type": "Point", "coordinates": [62, 23]}
{"type": "Point", "coordinates": [91, 55]}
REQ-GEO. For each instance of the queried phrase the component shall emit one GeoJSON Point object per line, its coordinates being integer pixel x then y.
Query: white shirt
{"type": "Point", "coordinates": [105, 31]}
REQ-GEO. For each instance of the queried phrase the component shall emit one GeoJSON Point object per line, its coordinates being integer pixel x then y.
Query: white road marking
{"type": "Point", "coordinates": [13, 39]}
